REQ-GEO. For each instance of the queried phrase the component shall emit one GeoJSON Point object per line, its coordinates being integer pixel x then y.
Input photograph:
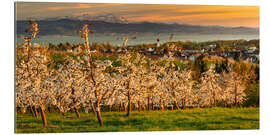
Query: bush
{"type": "Point", "coordinates": [253, 94]}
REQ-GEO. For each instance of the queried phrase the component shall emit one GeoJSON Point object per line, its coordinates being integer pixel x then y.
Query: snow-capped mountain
{"type": "Point", "coordinates": [86, 17]}
{"type": "Point", "coordinates": [103, 17]}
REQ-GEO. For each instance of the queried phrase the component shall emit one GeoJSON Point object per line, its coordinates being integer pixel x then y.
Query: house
{"type": "Point", "coordinates": [151, 49]}
{"type": "Point", "coordinates": [251, 49]}
{"type": "Point", "coordinates": [192, 57]}
{"type": "Point", "coordinates": [118, 50]}
{"type": "Point", "coordinates": [78, 49]}
{"type": "Point", "coordinates": [36, 45]}
{"type": "Point", "coordinates": [70, 49]}
{"type": "Point", "coordinates": [212, 45]}
{"type": "Point", "coordinates": [93, 51]}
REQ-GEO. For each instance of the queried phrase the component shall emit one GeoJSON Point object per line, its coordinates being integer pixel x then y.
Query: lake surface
{"type": "Point", "coordinates": [140, 39]}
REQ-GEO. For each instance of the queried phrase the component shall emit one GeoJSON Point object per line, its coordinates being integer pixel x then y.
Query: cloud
{"type": "Point", "coordinates": [77, 6]}
{"type": "Point", "coordinates": [83, 13]}
{"type": "Point", "coordinates": [199, 15]}
{"type": "Point", "coordinates": [192, 14]}
{"type": "Point", "coordinates": [71, 6]}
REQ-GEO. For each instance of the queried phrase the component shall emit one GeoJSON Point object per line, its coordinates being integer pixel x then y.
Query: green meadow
{"type": "Point", "coordinates": [177, 120]}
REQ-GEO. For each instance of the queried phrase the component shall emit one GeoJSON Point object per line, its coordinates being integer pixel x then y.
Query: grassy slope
{"type": "Point", "coordinates": [189, 119]}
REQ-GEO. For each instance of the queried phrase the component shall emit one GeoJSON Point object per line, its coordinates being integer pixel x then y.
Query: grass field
{"type": "Point", "coordinates": [189, 119]}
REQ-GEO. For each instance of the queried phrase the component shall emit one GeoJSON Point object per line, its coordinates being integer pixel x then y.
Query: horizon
{"type": "Point", "coordinates": [202, 15]}
{"type": "Point", "coordinates": [48, 19]}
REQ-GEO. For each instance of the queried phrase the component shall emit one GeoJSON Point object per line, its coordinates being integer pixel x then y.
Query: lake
{"type": "Point", "coordinates": [140, 39]}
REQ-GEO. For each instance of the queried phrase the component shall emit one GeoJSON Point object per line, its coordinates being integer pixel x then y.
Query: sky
{"type": "Point", "coordinates": [232, 16]}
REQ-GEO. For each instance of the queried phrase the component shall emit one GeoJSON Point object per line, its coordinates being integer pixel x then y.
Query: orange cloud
{"type": "Point", "coordinates": [82, 13]}
{"type": "Point", "coordinates": [77, 6]}
{"type": "Point", "coordinates": [84, 6]}
{"type": "Point", "coordinates": [192, 14]}
{"type": "Point", "coordinates": [205, 15]}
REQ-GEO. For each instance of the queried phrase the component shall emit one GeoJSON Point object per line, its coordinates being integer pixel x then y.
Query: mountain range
{"type": "Point", "coordinates": [108, 24]}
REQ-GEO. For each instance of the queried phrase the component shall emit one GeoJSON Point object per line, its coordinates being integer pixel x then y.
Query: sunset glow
{"type": "Point", "coordinates": [185, 14]}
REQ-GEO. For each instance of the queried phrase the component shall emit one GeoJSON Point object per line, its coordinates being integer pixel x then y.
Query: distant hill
{"type": "Point", "coordinates": [65, 26]}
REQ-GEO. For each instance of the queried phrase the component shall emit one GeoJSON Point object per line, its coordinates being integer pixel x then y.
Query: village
{"type": "Point", "coordinates": [248, 53]}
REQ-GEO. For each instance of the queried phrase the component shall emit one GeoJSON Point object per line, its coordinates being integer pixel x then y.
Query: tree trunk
{"type": "Point", "coordinates": [120, 107]}
{"type": "Point", "coordinates": [175, 101]}
{"type": "Point", "coordinates": [161, 108]}
{"type": "Point", "coordinates": [235, 95]}
{"type": "Point", "coordinates": [172, 107]}
{"type": "Point", "coordinates": [49, 109]}
{"type": "Point", "coordinates": [99, 116]}
{"type": "Point", "coordinates": [148, 102]}
{"type": "Point", "coordinates": [183, 103]}
{"type": "Point", "coordinates": [225, 104]}
{"type": "Point", "coordinates": [32, 111]}
{"type": "Point", "coordinates": [77, 113]}
{"type": "Point", "coordinates": [165, 106]}
{"type": "Point", "coordinates": [176, 104]}
{"type": "Point", "coordinates": [214, 99]}
{"type": "Point", "coordinates": [152, 103]}
{"type": "Point", "coordinates": [43, 117]}
{"type": "Point", "coordinates": [35, 111]}
{"type": "Point", "coordinates": [129, 105]}
{"type": "Point", "coordinates": [125, 107]}
{"type": "Point", "coordinates": [140, 106]}
{"type": "Point", "coordinates": [215, 102]}
{"type": "Point", "coordinates": [214, 96]}
{"type": "Point", "coordinates": [93, 108]}
{"type": "Point", "coordinates": [110, 108]}
{"type": "Point", "coordinates": [161, 105]}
